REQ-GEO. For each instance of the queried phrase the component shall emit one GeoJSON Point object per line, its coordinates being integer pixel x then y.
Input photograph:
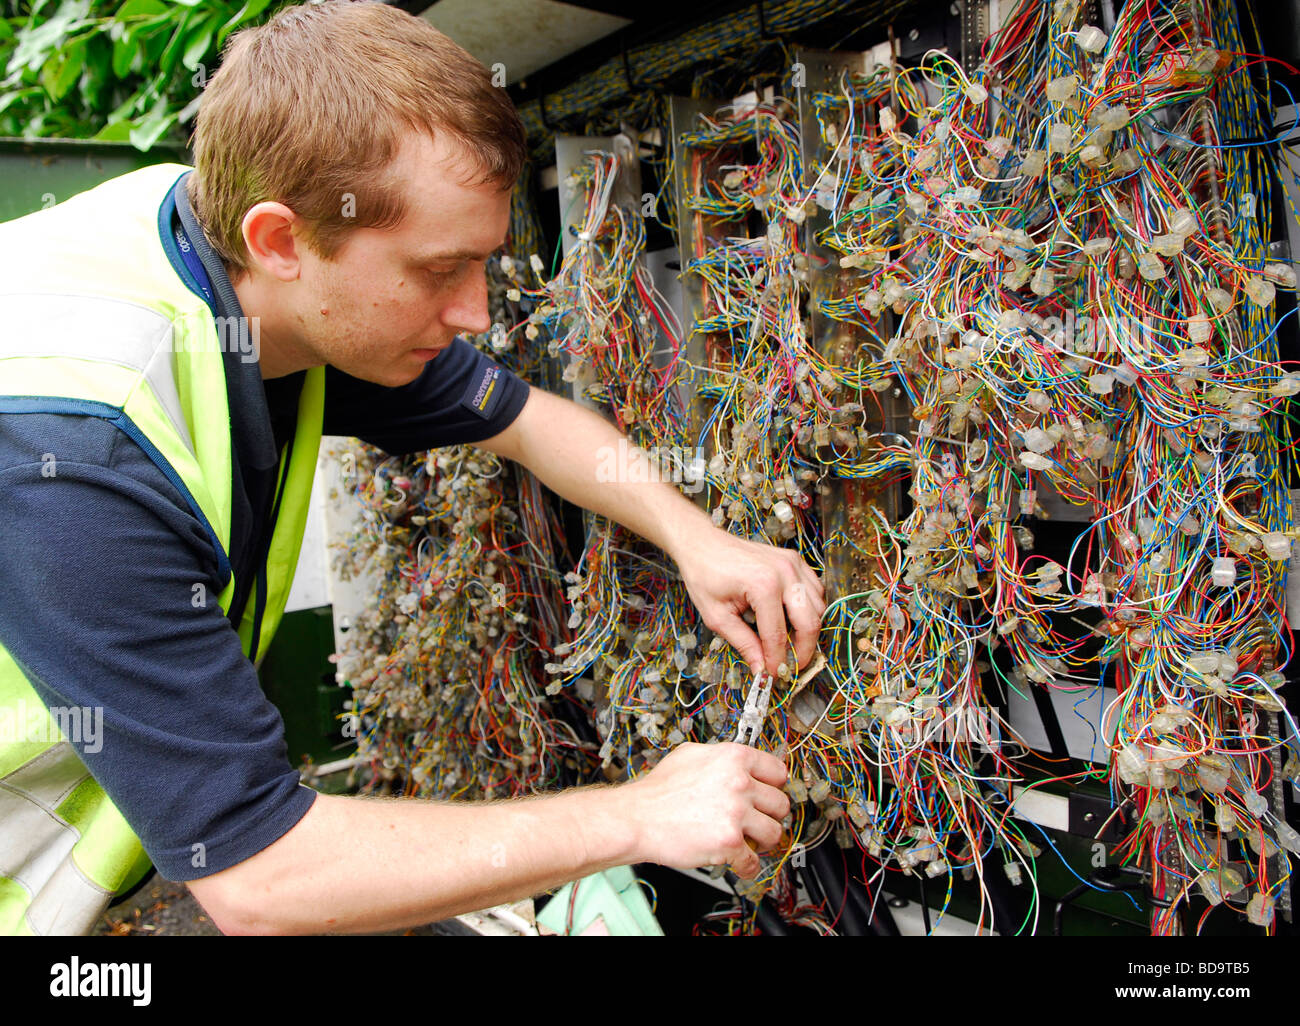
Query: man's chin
{"type": "Point", "coordinates": [409, 370]}
{"type": "Point", "coordinates": [397, 374]}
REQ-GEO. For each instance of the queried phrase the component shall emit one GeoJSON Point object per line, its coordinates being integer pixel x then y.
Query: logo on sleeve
{"type": "Point", "coordinates": [479, 396]}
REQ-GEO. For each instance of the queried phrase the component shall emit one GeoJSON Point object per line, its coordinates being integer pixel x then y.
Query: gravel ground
{"type": "Point", "coordinates": [158, 909]}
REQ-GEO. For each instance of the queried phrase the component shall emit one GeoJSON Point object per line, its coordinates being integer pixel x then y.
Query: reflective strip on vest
{"type": "Point", "coordinates": [36, 846]}
{"type": "Point", "coordinates": [144, 340]}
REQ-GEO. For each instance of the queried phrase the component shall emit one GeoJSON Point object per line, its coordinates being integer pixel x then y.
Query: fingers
{"type": "Point", "coordinates": [763, 766]}
{"type": "Point", "coordinates": [803, 600]}
{"type": "Point", "coordinates": [803, 573]}
{"type": "Point", "coordinates": [771, 802]}
{"type": "Point", "coordinates": [737, 633]}
{"type": "Point", "coordinates": [807, 575]}
{"type": "Point", "coordinates": [770, 613]}
{"type": "Point", "coordinates": [763, 830]}
{"type": "Point", "coordinates": [805, 615]}
{"type": "Point", "coordinates": [745, 865]}
{"type": "Point", "coordinates": [785, 596]}
{"type": "Point", "coordinates": [765, 834]}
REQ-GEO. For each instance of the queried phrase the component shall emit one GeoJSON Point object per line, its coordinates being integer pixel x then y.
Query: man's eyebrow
{"type": "Point", "coordinates": [456, 254]}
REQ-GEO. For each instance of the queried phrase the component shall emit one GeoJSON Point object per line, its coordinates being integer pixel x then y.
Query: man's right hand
{"type": "Point", "coordinates": [698, 806]}
{"type": "Point", "coordinates": [366, 864]}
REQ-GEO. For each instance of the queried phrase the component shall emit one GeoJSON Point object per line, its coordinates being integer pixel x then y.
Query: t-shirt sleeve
{"type": "Point", "coordinates": [461, 396]}
{"type": "Point", "coordinates": [110, 602]}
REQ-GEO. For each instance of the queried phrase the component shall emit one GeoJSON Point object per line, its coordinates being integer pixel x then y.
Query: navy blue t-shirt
{"type": "Point", "coordinates": [98, 564]}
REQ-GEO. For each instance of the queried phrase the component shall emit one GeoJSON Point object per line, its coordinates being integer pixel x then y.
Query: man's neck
{"type": "Point", "coordinates": [279, 351]}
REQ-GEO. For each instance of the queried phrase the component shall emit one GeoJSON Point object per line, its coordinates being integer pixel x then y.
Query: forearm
{"type": "Point", "coordinates": [368, 864]}
{"type": "Point", "coordinates": [580, 455]}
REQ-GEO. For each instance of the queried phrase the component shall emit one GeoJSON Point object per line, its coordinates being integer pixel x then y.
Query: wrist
{"type": "Point", "coordinates": [605, 821]}
{"type": "Point", "coordinates": [688, 534]}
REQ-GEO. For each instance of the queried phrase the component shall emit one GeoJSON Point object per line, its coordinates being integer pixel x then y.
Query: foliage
{"type": "Point", "coordinates": [116, 71]}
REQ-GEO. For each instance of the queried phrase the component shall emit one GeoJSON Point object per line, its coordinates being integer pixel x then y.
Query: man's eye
{"type": "Point", "coordinates": [440, 275]}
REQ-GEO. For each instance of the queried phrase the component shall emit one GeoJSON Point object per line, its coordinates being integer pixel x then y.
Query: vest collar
{"type": "Point", "coordinates": [178, 244]}
{"type": "Point", "coordinates": [203, 273]}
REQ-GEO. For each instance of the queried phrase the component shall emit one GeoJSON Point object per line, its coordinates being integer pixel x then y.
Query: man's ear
{"type": "Point", "coordinates": [268, 229]}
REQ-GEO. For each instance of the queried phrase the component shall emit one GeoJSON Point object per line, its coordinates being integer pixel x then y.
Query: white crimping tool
{"type": "Point", "coordinates": [755, 711]}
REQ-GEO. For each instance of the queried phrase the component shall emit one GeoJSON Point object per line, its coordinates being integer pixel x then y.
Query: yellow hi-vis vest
{"type": "Point", "coordinates": [96, 322]}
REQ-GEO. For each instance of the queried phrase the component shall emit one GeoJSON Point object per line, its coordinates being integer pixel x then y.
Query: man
{"type": "Point", "coordinates": [352, 176]}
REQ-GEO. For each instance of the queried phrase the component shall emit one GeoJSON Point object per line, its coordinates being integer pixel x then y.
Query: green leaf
{"type": "Point", "coordinates": [199, 44]}
{"type": "Point", "coordinates": [119, 131]}
{"type": "Point", "coordinates": [36, 9]}
{"type": "Point", "coordinates": [189, 110]}
{"type": "Point", "coordinates": [131, 105]}
{"type": "Point", "coordinates": [35, 45]}
{"type": "Point", "coordinates": [125, 53]}
{"type": "Point", "coordinates": [6, 30]}
{"type": "Point", "coordinates": [62, 71]}
{"type": "Point", "coordinates": [153, 37]}
{"type": "Point", "coordinates": [8, 99]}
{"type": "Point", "coordinates": [98, 75]}
{"type": "Point", "coordinates": [139, 9]}
{"type": "Point", "coordinates": [250, 10]}
{"type": "Point", "coordinates": [175, 46]}
{"type": "Point", "coordinates": [34, 127]}
{"type": "Point", "coordinates": [152, 127]}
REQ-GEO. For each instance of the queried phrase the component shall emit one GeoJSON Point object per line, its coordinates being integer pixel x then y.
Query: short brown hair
{"type": "Point", "coordinates": [312, 106]}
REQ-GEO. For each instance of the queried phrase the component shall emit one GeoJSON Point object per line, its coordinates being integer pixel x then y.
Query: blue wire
{"type": "Point", "coordinates": [1086, 883]}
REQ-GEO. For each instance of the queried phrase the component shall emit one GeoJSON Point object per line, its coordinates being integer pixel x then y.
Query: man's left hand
{"type": "Point", "coordinates": [726, 575]}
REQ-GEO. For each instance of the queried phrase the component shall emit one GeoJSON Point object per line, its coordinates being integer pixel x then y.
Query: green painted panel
{"type": "Point", "coordinates": [38, 173]}
{"type": "Point", "coordinates": [298, 678]}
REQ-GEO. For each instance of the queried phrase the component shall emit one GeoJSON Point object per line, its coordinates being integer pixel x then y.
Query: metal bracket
{"type": "Point", "coordinates": [1089, 811]}
{"type": "Point", "coordinates": [974, 30]}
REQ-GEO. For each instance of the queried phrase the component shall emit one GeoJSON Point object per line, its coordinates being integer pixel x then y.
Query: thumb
{"type": "Point", "coordinates": [738, 634]}
{"type": "Point", "coordinates": [746, 865]}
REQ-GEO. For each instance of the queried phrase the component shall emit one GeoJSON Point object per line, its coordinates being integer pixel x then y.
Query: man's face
{"type": "Point", "coordinates": [392, 299]}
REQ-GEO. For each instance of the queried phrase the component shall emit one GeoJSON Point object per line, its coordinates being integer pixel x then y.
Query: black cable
{"type": "Point", "coordinates": [769, 920]}
{"type": "Point", "coordinates": [878, 918]}
{"type": "Point", "coordinates": [1102, 879]}
{"type": "Point", "coordinates": [925, 905]}
{"type": "Point", "coordinates": [835, 883]}
{"type": "Point", "coordinates": [766, 916]}
{"type": "Point", "coordinates": [813, 885]}
{"type": "Point", "coordinates": [881, 921]}
{"type": "Point", "coordinates": [1058, 914]}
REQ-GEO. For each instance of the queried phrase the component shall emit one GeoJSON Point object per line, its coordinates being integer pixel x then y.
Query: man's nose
{"type": "Point", "coordinates": [468, 310]}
